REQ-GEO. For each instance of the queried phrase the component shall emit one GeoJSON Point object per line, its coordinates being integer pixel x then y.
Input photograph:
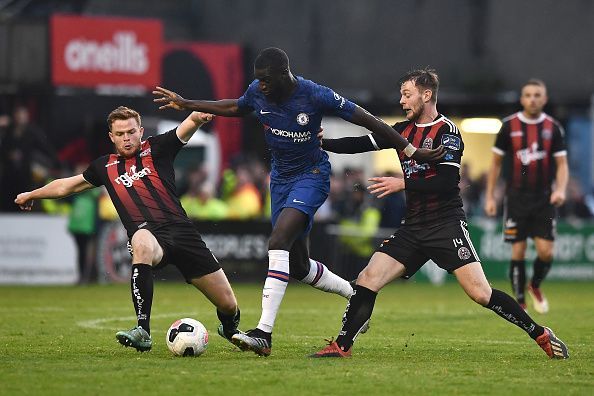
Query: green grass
{"type": "Point", "coordinates": [423, 340]}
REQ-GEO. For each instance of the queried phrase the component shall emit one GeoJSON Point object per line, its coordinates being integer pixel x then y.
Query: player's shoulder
{"type": "Point", "coordinates": [553, 120]}
{"type": "Point", "coordinates": [105, 159]}
{"type": "Point", "coordinates": [509, 118]}
{"type": "Point", "coordinates": [447, 125]}
{"type": "Point", "coordinates": [401, 125]}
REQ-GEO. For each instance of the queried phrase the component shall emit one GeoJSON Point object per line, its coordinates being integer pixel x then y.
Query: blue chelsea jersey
{"type": "Point", "coordinates": [291, 127]}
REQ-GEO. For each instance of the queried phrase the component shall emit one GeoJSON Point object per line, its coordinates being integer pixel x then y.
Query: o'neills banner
{"type": "Point", "coordinates": [89, 51]}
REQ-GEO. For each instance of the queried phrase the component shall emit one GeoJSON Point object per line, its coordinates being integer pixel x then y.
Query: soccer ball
{"type": "Point", "coordinates": [187, 337]}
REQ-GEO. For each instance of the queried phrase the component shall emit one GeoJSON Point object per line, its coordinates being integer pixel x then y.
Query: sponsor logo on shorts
{"type": "Point", "coordinates": [464, 253]}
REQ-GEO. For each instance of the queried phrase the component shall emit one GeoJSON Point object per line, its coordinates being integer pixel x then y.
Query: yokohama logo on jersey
{"type": "Point", "coordinates": [90, 51]}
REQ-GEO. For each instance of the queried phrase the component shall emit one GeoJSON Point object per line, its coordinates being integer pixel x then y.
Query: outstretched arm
{"type": "Point", "coordinates": [190, 125]}
{"type": "Point", "coordinates": [366, 119]}
{"type": "Point", "coordinates": [58, 188]}
{"type": "Point", "coordinates": [171, 100]}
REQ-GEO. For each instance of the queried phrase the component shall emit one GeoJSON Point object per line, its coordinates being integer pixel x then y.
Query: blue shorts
{"type": "Point", "coordinates": [305, 193]}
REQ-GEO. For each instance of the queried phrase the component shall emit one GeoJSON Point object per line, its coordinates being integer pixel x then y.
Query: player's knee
{"type": "Point", "coordinates": [481, 296]}
{"type": "Point", "coordinates": [546, 256]}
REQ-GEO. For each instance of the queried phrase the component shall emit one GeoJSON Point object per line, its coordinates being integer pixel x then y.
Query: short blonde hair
{"type": "Point", "coordinates": [122, 113]}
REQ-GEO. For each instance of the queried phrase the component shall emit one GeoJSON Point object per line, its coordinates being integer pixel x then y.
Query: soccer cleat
{"type": "Point", "coordinates": [228, 335]}
{"type": "Point", "coordinates": [539, 301]}
{"type": "Point", "coordinates": [255, 340]}
{"type": "Point", "coordinates": [553, 347]}
{"type": "Point", "coordinates": [332, 350]}
{"type": "Point", "coordinates": [137, 338]}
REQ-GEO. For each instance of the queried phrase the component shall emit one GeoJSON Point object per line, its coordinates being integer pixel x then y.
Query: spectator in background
{"type": "Point", "coordinates": [534, 145]}
{"type": "Point", "coordinates": [199, 201]}
{"type": "Point", "coordinates": [23, 145]}
{"type": "Point", "coordinates": [245, 202]}
{"type": "Point", "coordinates": [82, 224]}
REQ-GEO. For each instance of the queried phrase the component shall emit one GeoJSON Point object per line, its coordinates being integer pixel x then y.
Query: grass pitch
{"type": "Point", "coordinates": [423, 340]}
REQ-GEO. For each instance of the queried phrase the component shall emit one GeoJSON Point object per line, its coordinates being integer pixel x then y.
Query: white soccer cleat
{"type": "Point", "coordinates": [539, 301]}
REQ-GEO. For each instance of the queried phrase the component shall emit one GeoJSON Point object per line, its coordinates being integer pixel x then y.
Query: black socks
{"type": "Point", "coordinates": [357, 313]}
{"type": "Point", "coordinates": [229, 322]}
{"type": "Point", "coordinates": [517, 274]}
{"type": "Point", "coordinates": [506, 307]}
{"type": "Point", "coordinates": [141, 285]}
{"type": "Point", "coordinates": [541, 269]}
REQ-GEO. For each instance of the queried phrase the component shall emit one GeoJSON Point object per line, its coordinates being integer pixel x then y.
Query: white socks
{"type": "Point", "coordinates": [322, 278]}
{"type": "Point", "coordinates": [274, 288]}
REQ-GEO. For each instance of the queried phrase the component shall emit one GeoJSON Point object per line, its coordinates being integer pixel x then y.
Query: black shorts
{"type": "Point", "coordinates": [528, 215]}
{"type": "Point", "coordinates": [448, 244]}
{"type": "Point", "coordinates": [184, 248]}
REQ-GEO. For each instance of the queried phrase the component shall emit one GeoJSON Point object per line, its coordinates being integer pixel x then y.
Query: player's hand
{"type": "Point", "coordinates": [168, 99]}
{"type": "Point", "coordinates": [429, 155]}
{"type": "Point", "coordinates": [24, 202]}
{"type": "Point", "coordinates": [202, 118]}
{"type": "Point", "coordinates": [385, 185]}
{"type": "Point", "coordinates": [490, 207]}
{"type": "Point", "coordinates": [558, 198]}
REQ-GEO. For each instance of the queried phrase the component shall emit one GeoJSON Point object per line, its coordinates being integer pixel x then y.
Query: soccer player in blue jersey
{"type": "Point", "coordinates": [291, 109]}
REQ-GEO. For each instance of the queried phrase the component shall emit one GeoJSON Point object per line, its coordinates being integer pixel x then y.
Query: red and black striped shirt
{"type": "Point", "coordinates": [423, 207]}
{"type": "Point", "coordinates": [530, 147]}
{"type": "Point", "coordinates": [142, 188]}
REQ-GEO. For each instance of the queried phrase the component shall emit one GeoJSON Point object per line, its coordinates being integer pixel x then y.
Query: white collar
{"type": "Point", "coordinates": [441, 117]}
{"type": "Point", "coordinates": [527, 120]}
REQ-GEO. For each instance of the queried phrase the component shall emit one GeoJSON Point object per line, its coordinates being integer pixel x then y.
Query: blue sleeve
{"type": "Point", "coordinates": [246, 100]}
{"type": "Point", "coordinates": [334, 104]}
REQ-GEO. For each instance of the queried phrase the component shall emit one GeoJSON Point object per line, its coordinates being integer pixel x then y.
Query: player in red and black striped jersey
{"type": "Point", "coordinates": [140, 180]}
{"type": "Point", "coordinates": [533, 144]}
{"type": "Point", "coordinates": [435, 225]}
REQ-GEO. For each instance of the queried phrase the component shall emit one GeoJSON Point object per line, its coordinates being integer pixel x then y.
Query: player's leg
{"type": "Point", "coordinates": [289, 225]}
{"type": "Point", "coordinates": [515, 229]}
{"type": "Point", "coordinates": [146, 252]}
{"type": "Point", "coordinates": [381, 270]}
{"type": "Point", "coordinates": [315, 273]}
{"type": "Point", "coordinates": [517, 271]}
{"type": "Point", "coordinates": [472, 279]}
{"type": "Point", "coordinates": [541, 267]}
{"type": "Point", "coordinates": [215, 286]}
